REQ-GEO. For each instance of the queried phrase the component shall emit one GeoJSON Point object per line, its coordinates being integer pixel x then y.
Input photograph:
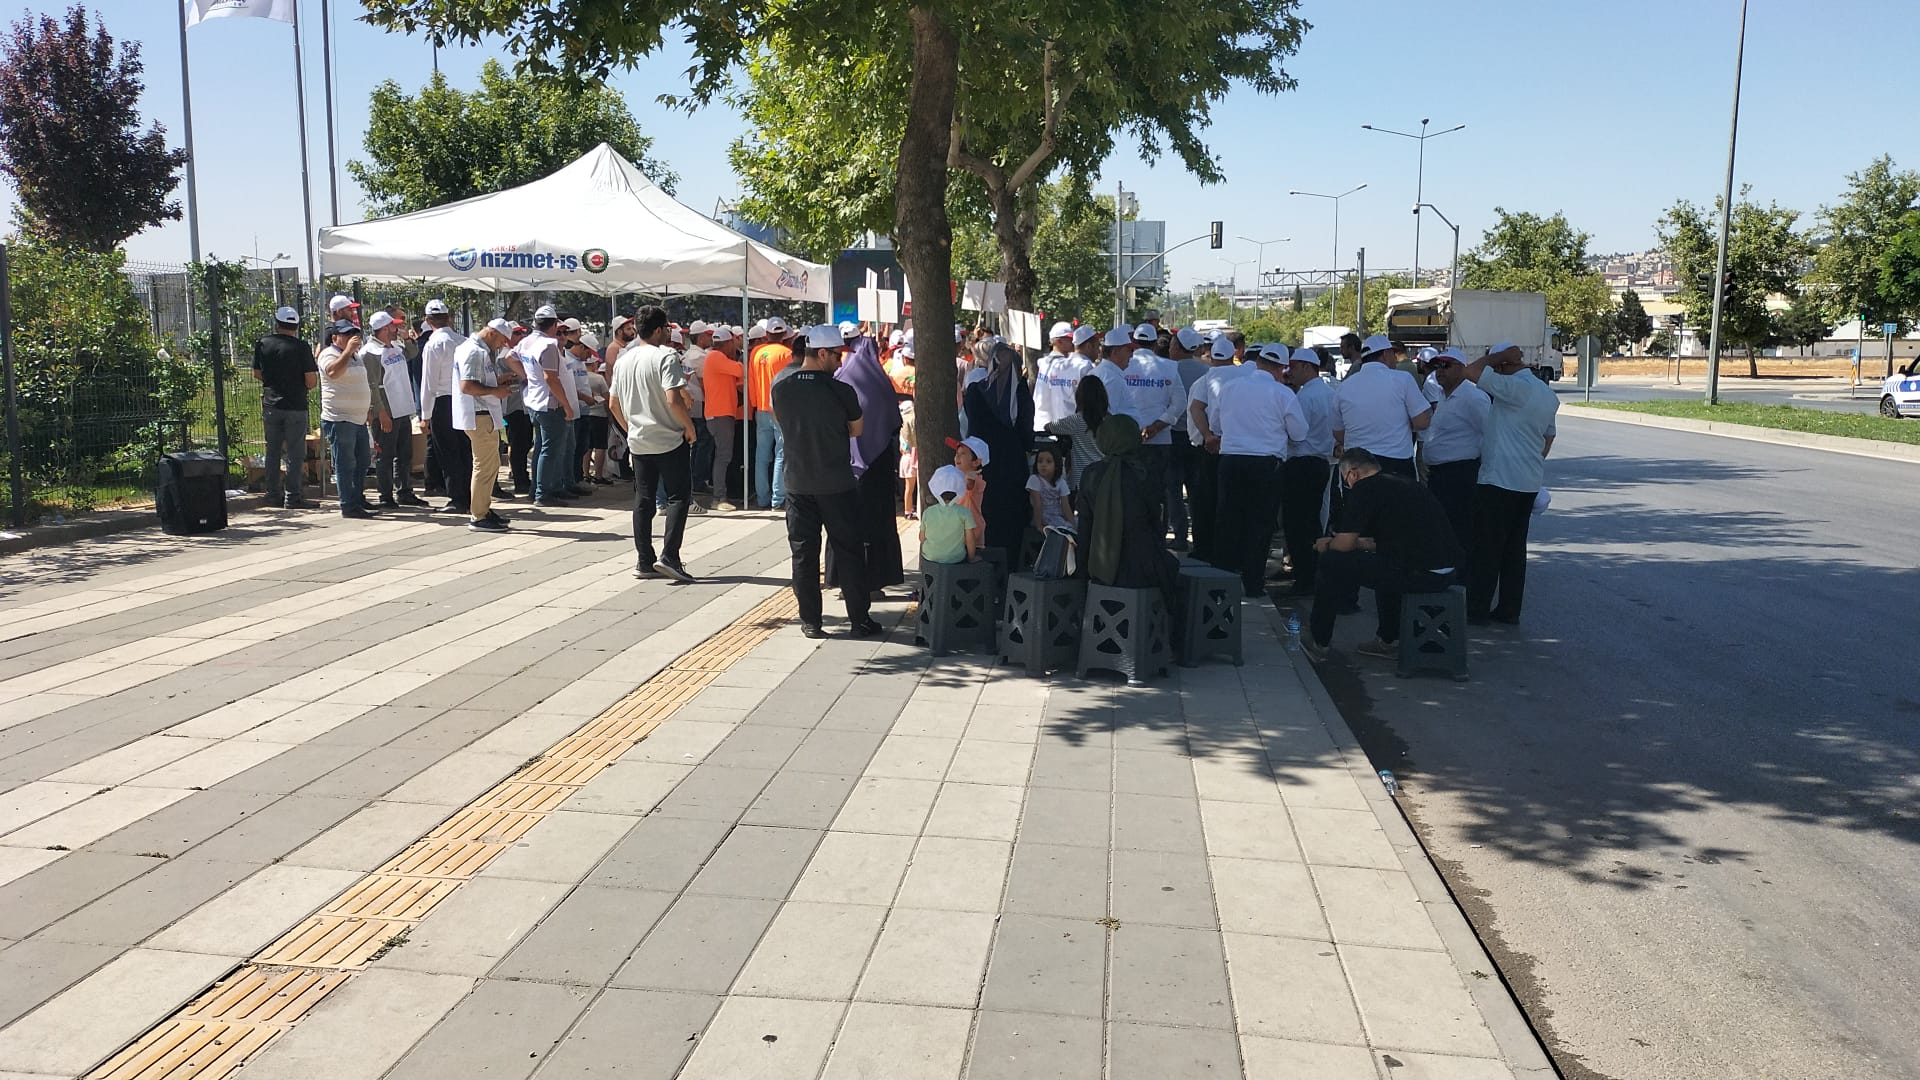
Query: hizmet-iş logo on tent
{"type": "Point", "coordinates": [595, 260]}
{"type": "Point", "coordinates": [512, 258]}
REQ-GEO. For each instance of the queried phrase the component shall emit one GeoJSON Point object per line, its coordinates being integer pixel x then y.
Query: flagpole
{"type": "Point", "coordinates": [186, 109]}
{"type": "Point", "coordinates": [326, 60]}
{"type": "Point", "coordinates": [306, 183]}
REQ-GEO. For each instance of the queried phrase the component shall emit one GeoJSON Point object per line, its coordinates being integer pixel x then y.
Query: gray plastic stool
{"type": "Point", "coordinates": [1433, 633]}
{"type": "Point", "coordinates": [1209, 614]}
{"type": "Point", "coordinates": [956, 606]}
{"type": "Point", "coordinates": [1041, 629]}
{"type": "Point", "coordinates": [1124, 630]}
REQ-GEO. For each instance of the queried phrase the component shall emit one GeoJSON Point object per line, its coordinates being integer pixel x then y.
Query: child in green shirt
{"type": "Point", "coordinates": [948, 528]}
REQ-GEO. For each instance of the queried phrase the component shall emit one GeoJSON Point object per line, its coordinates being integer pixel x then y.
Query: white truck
{"type": "Point", "coordinates": [1325, 340]}
{"type": "Point", "coordinates": [1474, 320]}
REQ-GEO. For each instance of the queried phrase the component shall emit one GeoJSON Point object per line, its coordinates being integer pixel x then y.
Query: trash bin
{"type": "Point", "coordinates": [192, 494]}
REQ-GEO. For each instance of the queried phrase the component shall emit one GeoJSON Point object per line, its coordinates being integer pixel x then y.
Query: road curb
{"type": "Point", "coordinates": [1869, 448]}
{"type": "Point", "coordinates": [102, 523]}
{"type": "Point", "coordinates": [1520, 1045]}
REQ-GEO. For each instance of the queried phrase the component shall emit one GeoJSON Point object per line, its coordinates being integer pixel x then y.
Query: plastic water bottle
{"type": "Point", "coordinates": [1293, 632]}
{"type": "Point", "coordinates": [1387, 781]}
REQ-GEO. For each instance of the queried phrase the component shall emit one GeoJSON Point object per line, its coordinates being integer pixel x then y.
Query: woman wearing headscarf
{"type": "Point", "coordinates": [1121, 539]}
{"type": "Point", "coordinates": [999, 410]}
{"type": "Point", "coordinates": [876, 465]}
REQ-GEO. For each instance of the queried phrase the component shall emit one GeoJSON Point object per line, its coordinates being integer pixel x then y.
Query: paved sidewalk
{"type": "Point", "coordinates": [430, 804]}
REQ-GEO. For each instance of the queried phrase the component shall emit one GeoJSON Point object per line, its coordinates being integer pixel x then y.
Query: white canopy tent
{"type": "Point", "coordinates": [598, 226]}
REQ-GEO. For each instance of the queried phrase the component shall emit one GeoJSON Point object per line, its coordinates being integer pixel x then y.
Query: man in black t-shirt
{"type": "Point", "coordinates": [1393, 538]}
{"type": "Point", "coordinates": [818, 416]}
{"type": "Point", "coordinates": [283, 365]}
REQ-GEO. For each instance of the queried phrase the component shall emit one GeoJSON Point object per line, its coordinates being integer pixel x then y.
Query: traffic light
{"type": "Point", "coordinates": [1726, 281]}
{"type": "Point", "coordinates": [1219, 235]}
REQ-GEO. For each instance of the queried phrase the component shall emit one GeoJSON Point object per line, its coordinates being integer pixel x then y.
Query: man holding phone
{"type": "Point", "coordinates": [346, 410]}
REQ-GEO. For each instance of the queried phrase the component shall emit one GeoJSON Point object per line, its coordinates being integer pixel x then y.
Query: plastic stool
{"type": "Point", "coordinates": [1433, 633]}
{"type": "Point", "coordinates": [1209, 614]}
{"type": "Point", "coordinates": [1124, 630]}
{"type": "Point", "coordinates": [1042, 626]}
{"type": "Point", "coordinates": [956, 606]}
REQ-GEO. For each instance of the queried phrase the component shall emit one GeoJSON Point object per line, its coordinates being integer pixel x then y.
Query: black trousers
{"type": "Point", "coordinates": [453, 451]}
{"type": "Point", "coordinates": [1203, 490]}
{"type": "Point", "coordinates": [519, 445]}
{"type": "Point", "coordinates": [1452, 483]}
{"type": "Point", "coordinates": [1179, 453]}
{"type": "Point", "coordinates": [1399, 466]}
{"type": "Point", "coordinates": [1498, 554]}
{"type": "Point", "coordinates": [1341, 575]}
{"type": "Point", "coordinates": [1245, 512]}
{"type": "Point", "coordinates": [1303, 484]}
{"type": "Point", "coordinates": [839, 515]}
{"type": "Point", "coordinates": [673, 472]}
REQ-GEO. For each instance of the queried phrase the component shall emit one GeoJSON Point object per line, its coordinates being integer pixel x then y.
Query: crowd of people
{"type": "Point", "coordinates": [1139, 443]}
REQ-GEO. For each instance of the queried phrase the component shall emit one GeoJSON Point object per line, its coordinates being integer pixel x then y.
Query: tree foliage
{"type": "Point", "coordinates": [1629, 324]}
{"type": "Point", "coordinates": [1765, 257]}
{"type": "Point", "coordinates": [443, 144]}
{"type": "Point", "coordinates": [1856, 233]}
{"type": "Point", "coordinates": [1898, 281]}
{"type": "Point", "coordinates": [87, 174]}
{"type": "Point", "coordinates": [1524, 252]}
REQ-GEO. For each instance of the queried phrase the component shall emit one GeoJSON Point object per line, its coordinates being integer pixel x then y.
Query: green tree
{"type": "Point", "coordinates": [1661, 344]}
{"type": "Point", "coordinates": [1211, 305]}
{"type": "Point", "coordinates": [88, 176]}
{"type": "Point", "coordinates": [1765, 258]}
{"type": "Point", "coordinates": [442, 144]}
{"type": "Point", "coordinates": [1856, 233]}
{"type": "Point", "coordinates": [1802, 323]}
{"type": "Point", "coordinates": [1630, 324]}
{"type": "Point", "coordinates": [1524, 252]}
{"type": "Point", "coordinates": [1898, 282]}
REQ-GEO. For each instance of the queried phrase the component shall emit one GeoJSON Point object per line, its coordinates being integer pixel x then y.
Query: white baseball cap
{"type": "Point", "coordinates": [776, 326]}
{"type": "Point", "coordinates": [896, 339]}
{"type": "Point", "coordinates": [947, 480]}
{"type": "Point", "coordinates": [286, 316]}
{"type": "Point", "coordinates": [1305, 355]}
{"type": "Point", "coordinates": [1501, 347]}
{"type": "Point", "coordinates": [546, 311]}
{"type": "Point", "coordinates": [677, 336]}
{"type": "Point", "coordinates": [1426, 354]}
{"type": "Point", "coordinates": [1273, 354]}
{"type": "Point", "coordinates": [1060, 330]}
{"type": "Point", "coordinates": [824, 336]}
{"type": "Point", "coordinates": [1146, 332]}
{"type": "Point", "coordinates": [1084, 333]}
{"type": "Point", "coordinates": [698, 327]}
{"type": "Point", "coordinates": [1189, 338]}
{"type": "Point", "coordinates": [618, 322]}
{"type": "Point", "coordinates": [1117, 337]}
{"type": "Point", "coordinates": [590, 339]}
{"type": "Point", "coordinates": [436, 307]}
{"type": "Point", "coordinates": [1375, 343]}
{"type": "Point", "coordinates": [721, 334]}
{"type": "Point", "coordinates": [907, 350]}
{"type": "Point", "coordinates": [379, 320]}
{"type": "Point", "coordinates": [572, 324]}
{"type": "Point", "coordinates": [501, 327]}
{"type": "Point", "coordinates": [848, 329]}
{"type": "Point", "coordinates": [341, 303]}
{"type": "Point", "coordinates": [1222, 348]}
{"type": "Point", "coordinates": [975, 444]}
{"type": "Point", "coordinates": [756, 332]}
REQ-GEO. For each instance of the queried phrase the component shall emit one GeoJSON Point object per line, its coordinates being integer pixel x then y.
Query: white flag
{"type": "Point", "coordinates": [198, 10]}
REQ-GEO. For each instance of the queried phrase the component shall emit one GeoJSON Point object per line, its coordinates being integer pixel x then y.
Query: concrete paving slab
{"type": "Point", "coordinates": [70, 882]}
{"type": "Point", "coordinates": [1239, 830]}
{"type": "Point", "coordinates": [470, 931]}
{"type": "Point", "coordinates": [929, 958]}
{"type": "Point", "coordinates": [660, 853]}
{"type": "Point", "coordinates": [1162, 888]}
{"type": "Point", "coordinates": [370, 836]}
{"type": "Point", "coordinates": [1063, 816]}
{"type": "Point", "coordinates": [1291, 988]}
{"type": "Point", "coordinates": [586, 939]}
{"type": "Point", "coordinates": [31, 972]}
{"type": "Point", "coordinates": [1342, 838]}
{"type": "Point", "coordinates": [1169, 975]}
{"type": "Point", "coordinates": [899, 1042]}
{"type": "Point", "coordinates": [700, 945]}
{"type": "Point", "coordinates": [94, 1017]}
{"type": "Point", "coordinates": [1042, 964]}
{"type": "Point", "coordinates": [94, 817]}
{"type": "Point", "coordinates": [1414, 1001]}
{"type": "Point", "coordinates": [1375, 907]}
{"type": "Point", "coordinates": [1033, 1046]}
{"type": "Point", "coordinates": [362, 1028]}
{"type": "Point", "coordinates": [129, 914]}
{"type": "Point", "coordinates": [1267, 896]}
{"type": "Point", "coordinates": [977, 811]}
{"type": "Point", "coordinates": [252, 914]}
{"type": "Point", "coordinates": [855, 868]}
{"type": "Point", "coordinates": [757, 861]}
{"type": "Point", "coordinates": [17, 863]}
{"type": "Point", "coordinates": [1156, 823]}
{"type": "Point", "coordinates": [274, 830]}
{"type": "Point", "coordinates": [502, 1029]}
{"type": "Point", "coordinates": [632, 1034]}
{"type": "Point", "coordinates": [716, 791]}
{"type": "Point", "coordinates": [765, 1039]}
{"type": "Point", "coordinates": [956, 874]}
{"type": "Point", "coordinates": [35, 800]}
{"type": "Point", "coordinates": [883, 804]}
{"type": "Point", "coordinates": [1285, 1059]}
{"type": "Point", "coordinates": [565, 847]}
{"type": "Point", "coordinates": [812, 951]}
{"type": "Point", "coordinates": [1140, 1052]}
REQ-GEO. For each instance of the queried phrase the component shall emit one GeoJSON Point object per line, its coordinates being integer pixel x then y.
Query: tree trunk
{"type": "Point", "coordinates": [1013, 227]}
{"type": "Point", "coordinates": [1753, 365]}
{"type": "Point", "coordinates": [924, 237]}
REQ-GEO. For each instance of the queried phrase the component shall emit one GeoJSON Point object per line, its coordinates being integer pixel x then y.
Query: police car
{"type": "Point", "coordinates": [1900, 394]}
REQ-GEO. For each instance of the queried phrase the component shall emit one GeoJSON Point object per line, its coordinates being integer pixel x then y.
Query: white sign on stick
{"type": "Point", "coordinates": [889, 307]}
{"type": "Point", "coordinates": [867, 302]}
{"type": "Point", "coordinates": [973, 295]}
{"type": "Point", "coordinates": [996, 298]}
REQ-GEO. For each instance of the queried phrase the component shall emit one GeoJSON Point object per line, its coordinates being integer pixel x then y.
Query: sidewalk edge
{"type": "Point", "coordinates": [1520, 1044]}
{"type": "Point", "coordinates": [1807, 440]}
{"type": "Point", "coordinates": [103, 523]}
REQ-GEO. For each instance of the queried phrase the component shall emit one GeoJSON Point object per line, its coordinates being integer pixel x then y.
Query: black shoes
{"type": "Point", "coordinates": [867, 628]}
{"type": "Point", "coordinates": [488, 524]}
{"type": "Point", "coordinates": [410, 499]}
{"type": "Point", "coordinates": [812, 631]}
{"type": "Point", "coordinates": [673, 570]}
{"type": "Point", "coordinates": [358, 513]}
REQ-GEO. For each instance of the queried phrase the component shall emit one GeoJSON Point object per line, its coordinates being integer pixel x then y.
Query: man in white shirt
{"type": "Point", "coordinates": [346, 408]}
{"type": "Point", "coordinates": [1304, 477]}
{"type": "Point", "coordinates": [1253, 424]}
{"type": "Point", "coordinates": [649, 398]}
{"type": "Point", "coordinates": [450, 447]}
{"type": "Point", "coordinates": [1380, 407]}
{"type": "Point", "coordinates": [550, 405]}
{"type": "Point", "coordinates": [1513, 464]}
{"type": "Point", "coordinates": [1203, 399]}
{"type": "Point", "coordinates": [1144, 386]}
{"type": "Point", "coordinates": [1451, 444]}
{"type": "Point", "coordinates": [1056, 376]}
{"type": "Point", "coordinates": [694, 361]}
{"type": "Point", "coordinates": [479, 403]}
{"type": "Point", "coordinates": [386, 364]}
{"type": "Point", "coordinates": [574, 351]}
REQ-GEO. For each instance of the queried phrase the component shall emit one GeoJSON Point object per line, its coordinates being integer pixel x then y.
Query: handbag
{"type": "Point", "coordinates": [1055, 549]}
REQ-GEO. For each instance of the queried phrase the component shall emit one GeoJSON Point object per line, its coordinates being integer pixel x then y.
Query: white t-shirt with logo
{"type": "Point", "coordinates": [348, 398]}
{"type": "Point", "coordinates": [539, 354]}
{"type": "Point", "coordinates": [395, 381]}
{"type": "Point", "coordinates": [1059, 376]}
{"type": "Point", "coordinates": [1373, 406]}
{"type": "Point", "coordinates": [1148, 390]}
{"type": "Point", "coordinates": [473, 362]}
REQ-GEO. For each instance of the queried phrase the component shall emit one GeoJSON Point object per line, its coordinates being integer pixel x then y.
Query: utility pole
{"type": "Point", "coordinates": [1119, 238]}
{"type": "Point", "coordinates": [1726, 219]}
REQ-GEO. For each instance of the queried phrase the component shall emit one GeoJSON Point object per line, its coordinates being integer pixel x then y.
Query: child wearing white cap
{"type": "Point", "coordinates": [949, 529]}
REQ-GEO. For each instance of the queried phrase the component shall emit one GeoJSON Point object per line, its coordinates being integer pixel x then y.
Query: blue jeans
{"type": "Point", "coordinates": [769, 448]}
{"type": "Point", "coordinates": [549, 452]}
{"type": "Point", "coordinates": [352, 455]}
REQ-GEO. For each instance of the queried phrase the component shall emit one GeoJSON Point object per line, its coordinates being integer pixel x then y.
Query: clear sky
{"type": "Point", "coordinates": [1607, 111]}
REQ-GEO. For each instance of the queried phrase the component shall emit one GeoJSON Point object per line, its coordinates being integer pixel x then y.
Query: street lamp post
{"type": "Point", "coordinates": [1234, 280]}
{"type": "Point", "coordinates": [1335, 268]}
{"type": "Point", "coordinates": [1453, 274]}
{"type": "Point", "coordinates": [273, 276]}
{"type": "Point", "coordinates": [1260, 260]}
{"type": "Point", "coordinates": [1726, 216]}
{"type": "Point", "coordinates": [1419, 178]}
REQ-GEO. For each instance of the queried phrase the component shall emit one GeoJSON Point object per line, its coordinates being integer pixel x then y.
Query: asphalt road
{"type": "Point", "coordinates": [1828, 395]}
{"type": "Point", "coordinates": [1682, 801]}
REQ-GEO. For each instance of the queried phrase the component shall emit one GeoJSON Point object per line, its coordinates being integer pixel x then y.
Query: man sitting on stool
{"type": "Point", "coordinates": [1393, 538]}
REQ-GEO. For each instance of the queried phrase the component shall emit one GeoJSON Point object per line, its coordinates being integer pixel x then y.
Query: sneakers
{"type": "Point", "coordinates": [674, 571]}
{"type": "Point", "coordinates": [495, 515]}
{"type": "Point", "coordinates": [549, 504]}
{"type": "Point", "coordinates": [296, 503]}
{"type": "Point", "coordinates": [726, 506]}
{"type": "Point", "coordinates": [644, 569]}
{"type": "Point", "coordinates": [389, 504]}
{"type": "Point", "coordinates": [488, 524]}
{"type": "Point", "coordinates": [1314, 651]}
{"type": "Point", "coordinates": [578, 490]}
{"type": "Point", "coordinates": [867, 629]}
{"type": "Point", "coordinates": [410, 499]}
{"type": "Point", "coordinates": [694, 507]}
{"type": "Point", "coordinates": [813, 631]}
{"type": "Point", "coordinates": [358, 513]}
{"type": "Point", "coordinates": [1385, 650]}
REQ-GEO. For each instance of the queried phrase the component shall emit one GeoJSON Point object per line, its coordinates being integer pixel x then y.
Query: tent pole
{"type": "Point", "coordinates": [749, 474]}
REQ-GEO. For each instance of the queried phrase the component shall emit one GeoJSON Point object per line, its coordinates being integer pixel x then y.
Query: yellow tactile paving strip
{"type": "Point", "coordinates": [218, 1032]}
